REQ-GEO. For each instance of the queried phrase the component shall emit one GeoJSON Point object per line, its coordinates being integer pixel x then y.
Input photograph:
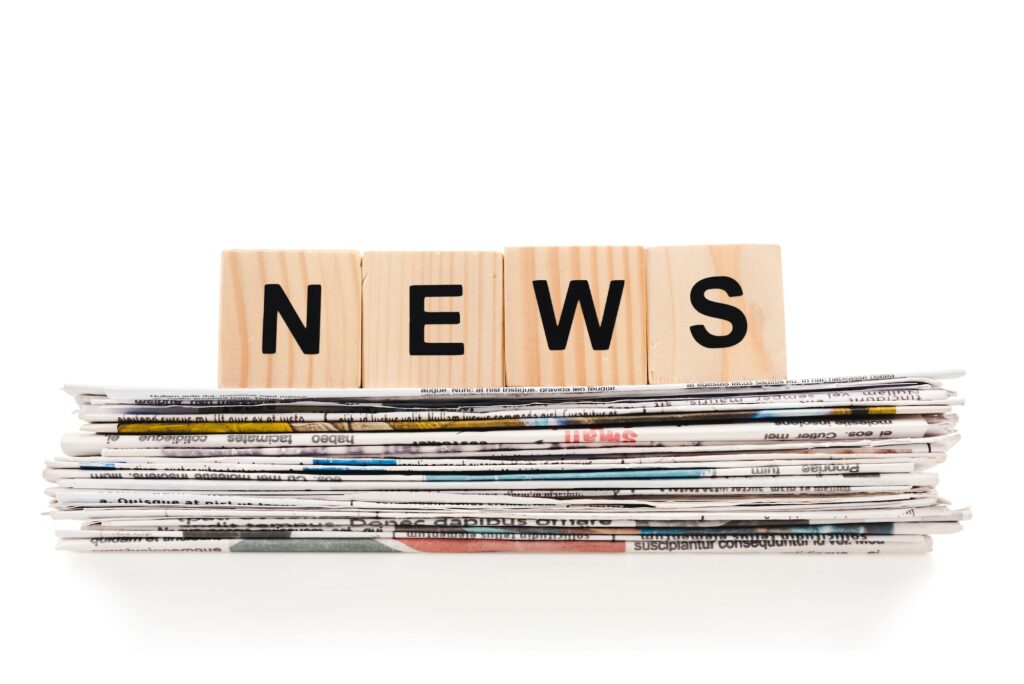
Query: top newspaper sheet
{"type": "Point", "coordinates": [143, 396]}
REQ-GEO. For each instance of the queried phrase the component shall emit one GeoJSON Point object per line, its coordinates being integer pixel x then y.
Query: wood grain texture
{"type": "Point", "coordinates": [528, 358]}
{"type": "Point", "coordinates": [387, 277]}
{"type": "Point", "coordinates": [674, 355]}
{"type": "Point", "coordinates": [244, 274]}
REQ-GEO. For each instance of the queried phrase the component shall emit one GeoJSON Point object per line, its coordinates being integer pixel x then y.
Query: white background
{"type": "Point", "coordinates": [880, 143]}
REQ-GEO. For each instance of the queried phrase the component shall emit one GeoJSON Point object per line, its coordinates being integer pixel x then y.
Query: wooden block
{"type": "Point", "coordinates": [272, 335]}
{"type": "Point", "coordinates": [728, 328]}
{"type": "Point", "coordinates": [432, 319]}
{"type": "Point", "coordinates": [575, 316]}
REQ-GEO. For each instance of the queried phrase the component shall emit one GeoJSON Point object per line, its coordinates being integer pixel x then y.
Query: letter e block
{"type": "Point", "coordinates": [289, 319]}
{"type": "Point", "coordinates": [715, 313]}
{"type": "Point", "coordinates": [575, 316]}
{"type": "Point", "coordinates": [432, 319]}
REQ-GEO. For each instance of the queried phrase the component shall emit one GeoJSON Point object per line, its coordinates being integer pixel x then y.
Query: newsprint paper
{"type": "Point", "coordinates": [843, 465]}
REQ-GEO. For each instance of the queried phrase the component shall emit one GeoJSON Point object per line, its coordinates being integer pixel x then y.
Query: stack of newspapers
{"type": "Point", "coordinates": [832, 466]}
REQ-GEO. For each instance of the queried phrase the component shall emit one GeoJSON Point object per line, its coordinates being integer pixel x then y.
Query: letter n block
{"type": "Point", "coordinates": [432, 319]}
{"type": "Point", "coordinates": [715, 313]}
{"type": "Point", "coordinates": [289, 319]}
{"type": "Point", "coordinates": [575, 316]}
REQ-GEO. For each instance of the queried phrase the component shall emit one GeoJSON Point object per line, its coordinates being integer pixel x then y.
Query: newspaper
{"type": "Point", "coordinates": [831, 466]}
{"type": "Point", "coordinates": [839, 544]}
{"type": "Point", "coordinates": [213, 397]}
{"type": "Point", "coordinates": [335, 434]}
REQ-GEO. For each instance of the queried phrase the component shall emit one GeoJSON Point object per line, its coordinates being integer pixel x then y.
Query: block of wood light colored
{"type": "Point", "coordinates": [715, 313]}
{"type": "Point", "coordinates": [289, 319]}
{"type": "Point", "coordinates": [432, 319]}
{"type": "Point", "coordinates": [575, 316]}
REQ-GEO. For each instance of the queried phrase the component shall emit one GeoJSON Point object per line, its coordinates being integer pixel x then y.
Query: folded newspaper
{"type": "Point", "coordinates": [823, 466]}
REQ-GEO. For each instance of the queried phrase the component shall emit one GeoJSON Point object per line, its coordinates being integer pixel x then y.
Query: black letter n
{"type": "Point", "coordinates": [275, 302]}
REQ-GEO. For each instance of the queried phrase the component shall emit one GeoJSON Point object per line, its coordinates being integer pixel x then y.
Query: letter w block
{"type": "Point", "coordinates": [575, 316]}
{"type": "Point", "coordinates": [290, 319]}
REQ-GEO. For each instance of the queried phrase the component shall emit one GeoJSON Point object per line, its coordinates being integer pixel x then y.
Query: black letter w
{"type": "Point", "coordinates": [557, 332]}
{"type": "Point", "coordinates": [275, 302]}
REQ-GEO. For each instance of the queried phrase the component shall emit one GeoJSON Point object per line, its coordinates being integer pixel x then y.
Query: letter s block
{"type": "Point", "coordinates": [715, 313]}
{"type": "Point", "coordinates": [575, 316]}
{"type": "Point", "coordinates": [289, 319]}
{"type": "Point", "coordinates": [432, 319]}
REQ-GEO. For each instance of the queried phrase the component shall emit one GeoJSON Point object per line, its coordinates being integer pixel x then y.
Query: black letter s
{"type": "Point", "coordinates": [718, 310]}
